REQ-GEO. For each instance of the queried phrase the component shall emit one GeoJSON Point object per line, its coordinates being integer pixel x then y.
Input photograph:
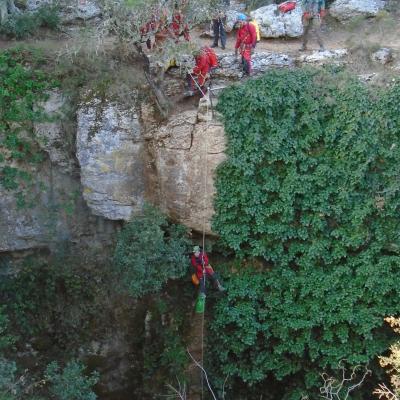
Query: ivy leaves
{"type": "Point", "coordinates": [22, 87]}
{"type": "Point", "coordinates": [310, 186]}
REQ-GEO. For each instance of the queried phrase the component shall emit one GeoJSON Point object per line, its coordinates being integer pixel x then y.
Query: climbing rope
{"type": "Point", "coordinates": [205, 191]}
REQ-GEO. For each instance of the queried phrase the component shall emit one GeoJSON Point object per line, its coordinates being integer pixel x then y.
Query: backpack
{"type": "Point", "coordinates": [287, 6]}
{"type": "Point", "coordinates": [212, 58]}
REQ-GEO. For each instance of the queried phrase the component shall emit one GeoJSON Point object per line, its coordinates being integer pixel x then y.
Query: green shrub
{"type": "Point", "coordinates": [70, 383]}
{"type": "Point", "coordinates": [56, 298]}
{"type": "Point", "coordinates": [22, 87]}
{"type": "Point", "coordinates": [150, 250]}
{"type": "Point", "coordinates": [22, 26]}
{"type": "Point", "coordinates": [311, 187]}
{"type": "Point", "coordinates": [49, 17]}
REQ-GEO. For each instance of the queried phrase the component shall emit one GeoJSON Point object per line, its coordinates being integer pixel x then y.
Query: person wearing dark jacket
{"type": "Point", "coordinates": [313, 14]}
{"type": "Point", "coordinates": [203, 269]}
{"type": "Point", "coordinates": [218, 23]}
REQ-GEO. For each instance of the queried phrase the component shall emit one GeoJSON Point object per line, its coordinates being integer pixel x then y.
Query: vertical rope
{"type": "Point", "coordinates": [204, 222]}
{"type": "Point", "coordinates": [204, 238]}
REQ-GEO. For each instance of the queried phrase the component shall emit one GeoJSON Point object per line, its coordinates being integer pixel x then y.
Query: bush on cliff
{"type": "Point", "coordinates": [311, 188]}
{"type": "Point", "coordinates": [150, 250]}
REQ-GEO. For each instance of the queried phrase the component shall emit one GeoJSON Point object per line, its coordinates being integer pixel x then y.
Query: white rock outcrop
{"type": "Point", "coordinates": [110, 151]}
{"type": "Point", "coordinates": [274, 24]}
{"type": "Point", "coordinates": [345, 10]}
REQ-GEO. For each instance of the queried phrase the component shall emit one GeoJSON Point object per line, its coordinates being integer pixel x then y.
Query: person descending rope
{"type": "Point", "coordinates": [206, 61]}
{"type": "Point", "coordinates": [203, 269]}
{"type": "Point", "coordinates": [313, 14]}
{"type": "Point", "coordinates": [246, 40]}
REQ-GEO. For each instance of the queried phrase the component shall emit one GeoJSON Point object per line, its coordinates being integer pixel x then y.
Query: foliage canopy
{"type": "Point", "coordinates": [150, 250]}
{"type": "Point", "coordinates": [311, 187]}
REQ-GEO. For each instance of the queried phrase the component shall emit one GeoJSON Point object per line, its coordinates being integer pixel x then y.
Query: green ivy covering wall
{"type": "Point", "coordinates": [310, 186]}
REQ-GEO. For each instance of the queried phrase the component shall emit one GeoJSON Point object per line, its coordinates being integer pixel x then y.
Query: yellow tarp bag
{"type": "Point", "coordinates": [255, 24]}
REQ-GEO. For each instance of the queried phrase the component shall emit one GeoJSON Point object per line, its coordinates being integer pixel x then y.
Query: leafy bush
{"type": "Point", "coordinates": [57, 298]}
{"type": "Point", "coordinates": [311, 187]}
{"type": "Point", "coordinates": [22, 87]}
{"type": "Point", "coordinates": [48, 17]}
{"type": "Point", "coordinates": [71, 383]}
{"type": "Point", "coordinates": [22, 26]}
{"type": "Point", "coordinates": [149, 251]}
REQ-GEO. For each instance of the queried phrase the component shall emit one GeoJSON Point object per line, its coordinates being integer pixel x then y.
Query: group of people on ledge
{"type": "Point", "coordinates": [247, 37]}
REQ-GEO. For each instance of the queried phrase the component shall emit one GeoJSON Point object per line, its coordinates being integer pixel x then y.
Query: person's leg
{"type": "Point", "coordinates": [247, 60]}
{"type": "Point", "coordinates": [307, 26]}
{"type": "Point", "coordinates": [203, 284]}
{"type": "Point", "coordinates": [317, 30]}
{"type": "Point", "coordinates": [216, 281]}
{"type": "Point", "coordinates": [222, 35]}
{"type": "Point", "coordinates": [216, 33]}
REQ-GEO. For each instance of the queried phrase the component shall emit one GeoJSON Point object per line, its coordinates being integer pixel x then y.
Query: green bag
{"type": "Point", "coordinates": [200, 303]}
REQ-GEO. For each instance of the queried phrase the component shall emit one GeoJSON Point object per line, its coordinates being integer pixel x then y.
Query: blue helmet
{"type": "Point", "coordinates": [241, 17]}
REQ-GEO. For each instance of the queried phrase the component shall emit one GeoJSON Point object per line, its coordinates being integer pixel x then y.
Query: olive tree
{"type": "Point", "coordinates": [137, 22]}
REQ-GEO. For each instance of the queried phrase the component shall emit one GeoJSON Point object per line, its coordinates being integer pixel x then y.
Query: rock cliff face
{"type": "Point", "coordinates": [110, 149]}
{"type": "Point", "coordinates": [124, 164]}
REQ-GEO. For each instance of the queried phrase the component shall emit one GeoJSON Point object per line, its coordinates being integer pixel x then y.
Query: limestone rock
{"type": "Point", "coordinates": [231, 18]}
{"type": "Point", "coordinates": [185, 173]}
{"type": "Point", "coordinates": [345, 10]}
{"type": "Point", "coordinates": [110, 151]}
{"type": "Point", "coordinates": [322, 57]}
{"type": "Point", "coordinates": [274, 24]}
{"type": "Point", "coordinates": [70, 10]}
{"type": "Point", "coordinates": [383, 56]}
{"type": "Point", "coordinates": [230, 67]}
{"type": "Point", "coordinates": [51, 136]}
{"type": "Point", "coordinates": [57, 213]}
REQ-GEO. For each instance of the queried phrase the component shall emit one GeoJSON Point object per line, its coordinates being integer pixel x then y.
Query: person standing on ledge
{"type": "Point", "coordinates": [218, 24]}
{"type": "Point", "coordinates": [313, 13]}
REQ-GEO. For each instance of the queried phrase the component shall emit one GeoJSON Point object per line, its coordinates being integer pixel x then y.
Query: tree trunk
{"type": "Point", "coordinates": [161, 100]}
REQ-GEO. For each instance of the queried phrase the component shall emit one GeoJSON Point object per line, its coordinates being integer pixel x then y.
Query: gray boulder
{"type": "Point", "coordinates": [324, 57]}
{"type": "Point", "coordinates": [230, 68]}
{"type": "Point", "coordinates": [274, 24]}
{"type": "Point", "coordinates": [383, 56]}
{"type": "Point", "coordinates": [345, 10]}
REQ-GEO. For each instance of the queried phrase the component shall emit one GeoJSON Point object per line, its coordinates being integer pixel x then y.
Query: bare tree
{"type": "Point", "coordinates": [340, 388]}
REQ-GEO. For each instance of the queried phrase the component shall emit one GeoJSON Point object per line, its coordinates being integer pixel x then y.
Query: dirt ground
{"type": "Point", "coordinates": [360, 36]}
